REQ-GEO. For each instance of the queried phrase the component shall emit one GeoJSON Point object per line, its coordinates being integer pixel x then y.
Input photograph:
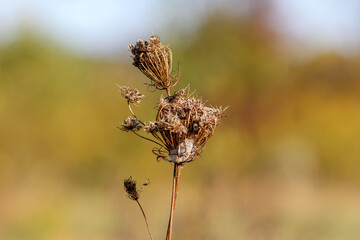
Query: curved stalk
{"type": "Point", "coordinates": [147, 224]}
{"type": "Point", "coordinates": [148, 139]}
{"type": "Point", "coordinates": [134, 114]}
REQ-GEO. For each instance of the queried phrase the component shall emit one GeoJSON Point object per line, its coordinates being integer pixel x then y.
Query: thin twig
{"type": "Point", "coordinates": [176, 178]}
{"type": "Point", "coordinates": [134, 114]}
{"type": "Point", "coordinates": [148, 139]}
{"type": "Point", "coordinates": [147, 224]}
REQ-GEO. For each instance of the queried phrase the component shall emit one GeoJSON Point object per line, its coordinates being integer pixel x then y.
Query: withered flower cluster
{"type": "Point", "coordinates": [130, 189]}
{"type": "Point", "coordinates": [130, 124]}
{"type": "Point", "coordinates": [155, 61]}
{"type": "Point", "coordinates": [183, 123]}
{"type": "Point", "coordinates": [131, 95]}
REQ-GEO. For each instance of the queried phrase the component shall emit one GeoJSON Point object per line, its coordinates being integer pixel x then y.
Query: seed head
{"type": "Point", "coordinates": [185, 124]}
{"type": "Point", "coordinates": [131, 95]}
{"type": "Point", "coordinates": [155, 61]}
{"type": "Point", "coordinates": [130, 124]}
{"type": "Point", "coordinates": [130, 188]}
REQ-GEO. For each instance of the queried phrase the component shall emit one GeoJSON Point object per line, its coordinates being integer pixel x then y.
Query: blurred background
{"type": "Point", "coordinates": [283, 165]}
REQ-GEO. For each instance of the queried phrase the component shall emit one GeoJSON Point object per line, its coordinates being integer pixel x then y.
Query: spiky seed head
{"type": "Point", "coordinates": [131, 95]}
{"type": "Point", "coordinates": [154, 60]}
{"type": "Point", "coordinates": [130, 124]}
{"type": "Point", "coordinates": [185, 124]}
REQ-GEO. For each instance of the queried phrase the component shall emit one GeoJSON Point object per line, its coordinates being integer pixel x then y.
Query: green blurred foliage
{"type": "Point", "coordinates": [290, 126]}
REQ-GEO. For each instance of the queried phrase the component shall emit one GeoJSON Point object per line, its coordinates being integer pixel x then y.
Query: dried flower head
{"type": "Point", "coordinates": [131, 95]}
{"type": "Point", "coordinates": [130, 188]}
{"type": "Point", "coordinates": [183, 124]}
{"type": "Point", "coordinates": [130, 124]}
{"type": "Point", "coordinates": [155, 61]}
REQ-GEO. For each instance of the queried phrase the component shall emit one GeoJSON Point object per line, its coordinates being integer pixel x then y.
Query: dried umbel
{"type": "Point", "coordinates": [131, 95]}
{"type": "Point", "coordinates": [183, 125]}
{"type": "Point", "coordinates": [130, 124]}
{"type": "Point", "coordinates": [155, 61]}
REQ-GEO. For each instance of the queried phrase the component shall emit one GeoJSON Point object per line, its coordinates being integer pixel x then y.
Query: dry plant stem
{"type": "Point", "coordinates": [131, 110]}
{"type": "Point", "coordinates": [135, 115]}
{"type": "Point", "coordinates": [176, 178]}
{"type": "Point", "coordinates": [147, 138]}
{"type": "Point", "coordinates": [147, 224]}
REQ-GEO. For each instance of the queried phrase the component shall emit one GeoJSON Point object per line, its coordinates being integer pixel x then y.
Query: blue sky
{"type": "Point", "coordinates": [321, 24]}
{"type": "Point", "coordinates": [100, 27]}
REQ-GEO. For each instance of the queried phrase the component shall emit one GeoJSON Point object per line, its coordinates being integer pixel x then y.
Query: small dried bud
{"type": "Point", "coordinates": [180, 92]}
{"type": "Point", "coordinates": [153, 127]}
{"type": "Point", "coordinates": [161, 103]}
{"type": "Point", "coordinates": [131, 95]}
{"type": "Point", "coordinates": [220, 112]}
{"type": "Point", "coordinates": [173, 123]}
{"type": "Point", "coordinates": [154, 60]}
{"type": "Point", "coordinates": [130, 124]}
{"type": "Point", "coordinates": [130, 188]}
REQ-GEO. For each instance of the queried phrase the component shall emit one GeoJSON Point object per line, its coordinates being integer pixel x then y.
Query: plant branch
{"type": "Point", "coordinates": [148, 139]}
{"type": "Point", "coordinates": [134, 114]}
{"type": "Point", "coordinates": [147, 224]}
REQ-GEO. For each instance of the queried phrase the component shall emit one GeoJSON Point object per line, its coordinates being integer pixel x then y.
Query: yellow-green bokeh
{"type": "Point", "coordinates": [284, 164]}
